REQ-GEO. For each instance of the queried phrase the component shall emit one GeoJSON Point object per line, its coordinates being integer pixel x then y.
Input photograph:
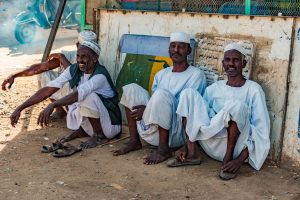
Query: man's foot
{"type": "Point", "coordinates": [158, 156]}
{"type": "Point", "coordinates": [232, 166]}
{"type": "Point", "coordinates": [227, 158]}
{"type": "Point", "coordinates": [132, 146]}
{"type": "Point", "coordinates": [181, 153]}
{"type": "Point", "coordinates": [94, 141]}
{"type": "Point", "coordinates": [76, 134]}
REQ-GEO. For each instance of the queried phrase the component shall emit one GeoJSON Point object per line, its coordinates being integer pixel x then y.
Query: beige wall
{"type": "Point", "coordinates": [271, 35]}
{"type": "Point", "coordinates": [291, 142]}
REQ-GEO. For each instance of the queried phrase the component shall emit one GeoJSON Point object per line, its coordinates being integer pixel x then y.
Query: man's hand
{"type": "Point", "coordinates": [14, 117]}
{"type": "Point", "coordinates": [10, 80]}
{"type": "Point", "coordinates": [137, 112]}
{"type": "Point", "coordinates": [44, 116]}
{"type": "Point", "coordinates": [54, 56]}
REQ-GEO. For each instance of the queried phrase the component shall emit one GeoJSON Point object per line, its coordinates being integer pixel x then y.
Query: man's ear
{"type": "Point", "coordinates": [95, 58]}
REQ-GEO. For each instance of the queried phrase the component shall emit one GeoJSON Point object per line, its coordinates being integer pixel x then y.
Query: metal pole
{"type": "Point", "coordinates": [54, 28]}
{"type": "Point", "coordinates": [247, 7]}
{"type": "Point", "coordinates": [82, 14]}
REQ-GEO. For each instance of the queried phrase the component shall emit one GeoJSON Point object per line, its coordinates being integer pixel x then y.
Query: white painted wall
{"type": "Point", "coordinates": [291, 142]}
{"type": "Point", "coordinates": [271, 35]}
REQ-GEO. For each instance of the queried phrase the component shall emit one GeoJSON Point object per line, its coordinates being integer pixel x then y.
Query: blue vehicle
{"type": "Point", "coordinates": [42, 13]}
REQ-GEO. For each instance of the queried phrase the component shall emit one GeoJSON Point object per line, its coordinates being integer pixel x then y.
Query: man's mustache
{"type": "Point", "coordinates": [176, 54]}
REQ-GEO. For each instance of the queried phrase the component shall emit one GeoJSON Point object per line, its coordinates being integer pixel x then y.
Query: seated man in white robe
{"type": "Point", "coordinates": [154, 119]}
{"type": "Point", "coordinates": [230, 122]}
{"type": "Point", "coordinates": [93, 104]}
{"type": "Point", "coordinates": [52, 68]}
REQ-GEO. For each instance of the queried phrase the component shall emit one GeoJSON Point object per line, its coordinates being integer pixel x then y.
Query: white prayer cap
{"type": "Point", "coordinates": [237, 47]}
{"type": "Point", "coordinates": [180, 37]}
{"type": "Point", "coordinates": [92, 45]}
{"type": "Point", "coordinates": [86, 36]}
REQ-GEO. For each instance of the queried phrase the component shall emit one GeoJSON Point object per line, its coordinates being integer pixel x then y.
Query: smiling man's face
{"type": "Point", "coordinates": [86, 59]}
{"type": "Point", "coordinates": [233, 63]}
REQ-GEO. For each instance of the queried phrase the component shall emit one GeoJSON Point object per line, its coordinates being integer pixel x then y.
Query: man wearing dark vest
{"type": "Point", "coordinates": [93, 106]}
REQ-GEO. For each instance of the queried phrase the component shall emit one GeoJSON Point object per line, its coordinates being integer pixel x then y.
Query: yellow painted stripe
{"type": "Point", "coordinates": [157, 66]}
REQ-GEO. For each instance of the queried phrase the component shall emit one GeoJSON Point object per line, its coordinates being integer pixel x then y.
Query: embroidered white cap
{"type": "Point", "coordinates": [235, 46]}
{"type": "Point", "coordinates": [86, 36]}
{"type": "Point", "coordinates": [92, 45]}
{"type": "Point", "coordinates": [180, 37]}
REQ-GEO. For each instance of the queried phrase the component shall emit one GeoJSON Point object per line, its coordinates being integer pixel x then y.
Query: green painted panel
{"type": "Point", "coordinates": [136, 69]}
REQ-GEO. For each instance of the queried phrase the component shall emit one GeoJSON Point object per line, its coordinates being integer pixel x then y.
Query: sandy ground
{"type": "Point", "coordinates": [26, 173]}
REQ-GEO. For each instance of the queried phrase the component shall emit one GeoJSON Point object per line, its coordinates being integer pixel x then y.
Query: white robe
{"type": "Point", "coordinates": [208, 117]}
{"type": "Point", "coordinates": [88, 104]}
{"type": "Point", "coordinates": [161, 107]}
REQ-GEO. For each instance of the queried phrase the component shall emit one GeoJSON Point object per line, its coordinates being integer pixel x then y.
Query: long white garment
{"type": "Point", "coordinates": [161, 107]}
{"type": "Point", "coordinates": [50, 75]}
{"type": "Point", "coordinates": [160, 111]}
{"type": "Point", "coordinates": [88, 100]}
{"type": "Point", "coordinates": [208, 117]}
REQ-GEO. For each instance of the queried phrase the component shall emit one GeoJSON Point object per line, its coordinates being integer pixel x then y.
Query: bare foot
{"type": "Point", "coordinates": [226, 159]}
{"type": "Point", "coordinates": [94, 141]}
{"type": "Point", "coordinates": [158, 156]}
{"type": "Point", "coordinates": [132, 146]}
{"type": "Point", "coordinates": [181, 153]}
{"type": "Point", "coordinates": [76, 134]}
{"type": "Point", "coordinates": [232, 166]}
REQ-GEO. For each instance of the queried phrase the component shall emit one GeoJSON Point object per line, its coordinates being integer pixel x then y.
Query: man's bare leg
{"type": "Point", "coordinates": [233, 134]}
{"type": "Point", "coordinates": [189, 151]}
{"type": "Point", "coordinates": [135, 142]}
{"type": "Point", "coordinates": [98, 137]}
{"type": "Point", "coordinates": [163, 151]}
{"type": "Point", "coordinates": [231, 165]}
{"type": "Point", "coordinates": [76, 134]}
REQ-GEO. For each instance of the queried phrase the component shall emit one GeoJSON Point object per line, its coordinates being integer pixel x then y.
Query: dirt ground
{"type": "Point", "coordinates": [26, 173]}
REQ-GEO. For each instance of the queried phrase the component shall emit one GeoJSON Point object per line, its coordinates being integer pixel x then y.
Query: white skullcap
{"type": "Point", "coordinates": [180, 37]}
{"type": "Point", "coordinates": [87, 36]}
{"type": "Point", "coordinates": [237, 47]}
{"type": "Point", "coordinates": [92, 45]}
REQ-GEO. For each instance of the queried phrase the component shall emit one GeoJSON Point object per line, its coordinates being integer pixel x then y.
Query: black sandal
{"type": "Point", "coordinates": [48, 148]}
{"type": "Point", "coordinates": [66, 151]}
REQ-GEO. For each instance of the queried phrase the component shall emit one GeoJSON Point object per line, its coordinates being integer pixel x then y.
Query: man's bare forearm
{"type": "Point", "coordinates": [37, 68]}
{"type": "Point", "coordinates": [67, 100]}
{"type": "Point", "coordinates": [39, 96]}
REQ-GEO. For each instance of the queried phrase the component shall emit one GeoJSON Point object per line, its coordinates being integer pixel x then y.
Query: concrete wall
{"type": "Point", "coordinates": [291, 144]}
{"type": "Point", "coordinates": [271, 36]}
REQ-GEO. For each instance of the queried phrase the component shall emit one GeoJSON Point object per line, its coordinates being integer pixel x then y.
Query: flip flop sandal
{"type": "Point", "coordinates": [226, 176]}
{"type": "Point", "coordinates": [66, 151]}
{"type": "Point", "coordinates": [48, 148]}
{"type": "Point", "coordinates": [177, 163]}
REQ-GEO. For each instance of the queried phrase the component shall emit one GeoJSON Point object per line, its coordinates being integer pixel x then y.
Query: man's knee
{"type": "Point", "coordinates": [161, 97]}
{"type": "Point", "coordinates": [134, 95]}
{"type": "Point", "coordinates": [189, 93]}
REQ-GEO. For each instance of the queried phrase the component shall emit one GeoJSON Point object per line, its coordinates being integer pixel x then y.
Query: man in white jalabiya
{"type": "Point", "coordinates": [154, 118]}
{"type": "Point", "coordinates": [230, 122]}
{"type": "Point", "coordinates": [48, 72]}
{"type": "Point", "coordinates": [93, 104]}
